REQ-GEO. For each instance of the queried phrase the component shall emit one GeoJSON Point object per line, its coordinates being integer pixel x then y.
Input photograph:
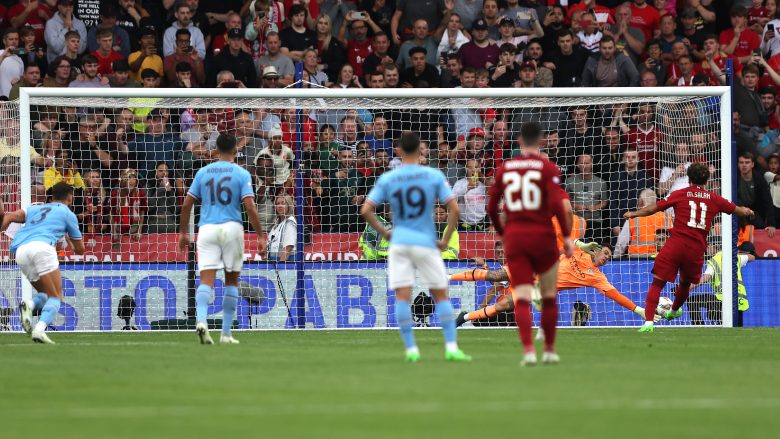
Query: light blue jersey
{"type": "Point", "coordinates": [220, 187]}
{"type": "Point", "coordinates": [47, 223]}
{"type": "Point", "coordinates": [412, 191]}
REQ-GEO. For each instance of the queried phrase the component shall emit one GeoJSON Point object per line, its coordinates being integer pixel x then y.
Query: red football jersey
{"type": "Point", "coordinates": [694, 211]}
{"type": "Point", "coordinates": [530, 187]}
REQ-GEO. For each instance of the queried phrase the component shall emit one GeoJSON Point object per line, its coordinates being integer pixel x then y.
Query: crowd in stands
{"type": "Point", "coordinates": [132, 165]}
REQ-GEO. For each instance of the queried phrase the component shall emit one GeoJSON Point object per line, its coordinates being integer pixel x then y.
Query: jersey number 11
{"type": "Point", "coordinates": [702, 217]}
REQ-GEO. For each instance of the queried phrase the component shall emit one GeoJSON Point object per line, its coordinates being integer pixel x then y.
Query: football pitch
{"type": "Point", "coordinates": [714, 383]}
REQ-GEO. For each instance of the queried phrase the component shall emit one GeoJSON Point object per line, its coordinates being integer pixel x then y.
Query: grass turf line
{"type": "Point", "coordinates": [353, 384]}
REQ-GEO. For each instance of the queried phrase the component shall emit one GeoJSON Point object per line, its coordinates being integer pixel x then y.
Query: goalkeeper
{"type": "Point", "coordinates": [580, 270]}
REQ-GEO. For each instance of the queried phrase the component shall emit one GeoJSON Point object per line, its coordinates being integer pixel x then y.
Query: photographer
{"type": "Point", "coordinates": [235, 60]}
{"type": "Point", "coordinates": [146, 57]}
{"type": "Point", "coordinates": [184, 52]}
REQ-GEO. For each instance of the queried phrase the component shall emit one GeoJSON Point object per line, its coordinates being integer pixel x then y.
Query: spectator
{"type": "Point", "coordinates": [358, 46]}
{"type": "Point", "coordinates": [331, 53]}
{"type": "Point", "coordinates": [552, 25]}
{"type": "Point", "coordinates": [420, 39]}
{"type": "Point", "coordinates": [264, 190]}
{"type": "Point", "coordinates": [72, 44]}
{"type": "Point", "coordinates": [92, 205]}
{"type": "Point", "coordinates": [691, 35]}
{"type": "Point", "coordinates": [105, 53]}
{"type": "Point", "coordinates": [406, 12]}
{"type": "Point", "coordinates": [146, 56]}
{"type": "Point", "coordinates": [90, 76]}
{"type": "Point", "coordinates": [448, 167]}
{"type": "Point", "coordinates": [450, 75]}
{"type": "Point", "coordinates": [381, 14]}
{"type": "Point", "coordinates": [274, 58]}
{"type": "Point", "coordinates": [770, 38]}
{"type": "Point", "coordinates": [675, 176]}
{"type": "Point", "coordinates": [551, 147]}
{"type": "Point", "coordinates": [380, 55]}
{"type": "Point", "coordinates": [120, 39]}
{"type": "Point", "coordinates": [129, 18]}
{"type": "Point", "coordinates": [589, 197]}
{"type": "Point", "coordinates": [342, 194]}
{"type": "Point", "coordinates": [184, 52]}
{"type": "Point", "coordinates": [200, 141]}
{"type": "Point", "coordinates": [232, 21]}
{"type": "Point", "coordinates": [471, 194]}
{"type": "Point", "coordinates": [128, 207]}
{"type": "Point", "coordinates": [421, 74]}
{"type": "Point", "coordinates": [378, 139]}
{"type": "Point", "coordinates": [247, 144]}
{"type": "Point", "coordinates": [739, 40]}
{"type": "Point", "coordinates": [480, 52]}
{"type": "Point", "coordinates": [234, 59]}
{"type": "Point", "coordinates": [62, 169]}
{"type": "Point", "coordinates": [500, 146]}
{"type": "Point", "coordinates": [682, 76]}
{"type": "Point", "coordinates": [284, 234]}
{"type": "Point", "coordinates": [713, 55]}
{"type": "Point", "coordinates": [451, 37]}
{"type": "Point", "coordinates": [643, 135]}
{"type": "Point", "coordinates": [507, 72]}
{"type": "Point", "coordinates": [156, 145]}
{"type": "Point", "coordinates": [544, 76]}
{"type": "Point", "coordinates": [32, 54]}
{"type": "Point", "coordinates": [628, 39]}
{"type": "Point", "coordinates": [59, 73]}
{"type": "Point", "coordinates": [642, 236]}
{"type": "Point", "coordinates": [491, 17]}
{"type": "Point", "coordinates": [625, 187]}
{"type": "Point", "coordinates": [645, 17]}
{"type": "Point", "coordinates": [753, 192]}
{"type": "Point", "coordinates": [266, 17]}
{"type": "Point", "coordinates": [609, 69]}
{"type": "Point", "coordinates": [11, 66]}
{"type": "Point", "coordinates": [346, 78]}
{"type": "Point", "coordinates": [30, 78]}
{"type": "Point", "coordinates": [525, 17]}
{"type": "Point", "coordinates": [590, 35]}
{"type": "Point", "coordinates": [281, 155]}
{"type": "Point", "coordinates": [32, 13]}
{"type": "Point", "coordinates": [183, 16]}
{"type": "Point", "coordinates": [58, 25]}
{"type": "Point", "coordinates": [163, 208]}
{"type": "Point", "coordinates": [667, 35]}
{"type": "Point", "coordinates": [150, 78]}
{"type": "Point", "coordinates": [87, 152]}
{"type": "Point", "coordinates": [609, 156]}
{"type": "Point", "coordinates": [567, 62]}
{"type": "Point", "coordinates": [296, 38]}
{"type": "Point", "coordinates": [746, 100]}
{"type": "Point", "coordinates": [772, 177]}
{"type": "Point", "coordinates": [121, 76]}
{"type": "Point", "coordinates": [184, 77]}
{"type": "Point", "coordinates": [601, 15]}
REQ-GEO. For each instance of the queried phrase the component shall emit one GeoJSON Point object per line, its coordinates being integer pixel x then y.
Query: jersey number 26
{"type": "Point", "coordinates": [521, 192]}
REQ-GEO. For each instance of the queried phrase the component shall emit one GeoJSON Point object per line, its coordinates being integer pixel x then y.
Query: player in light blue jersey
{"type": "Point", "coordinates": [412, 192]}
{"type": "Point", "coordinates": [33, 247]}
{"type": "Point", "coordinates": [221, 187]}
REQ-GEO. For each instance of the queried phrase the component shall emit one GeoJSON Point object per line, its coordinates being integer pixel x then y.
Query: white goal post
{"type": "Point", "coordinates": [324, 282]}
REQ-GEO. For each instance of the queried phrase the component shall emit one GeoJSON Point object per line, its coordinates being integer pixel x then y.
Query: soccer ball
{"type": "Point", "coordinates": [665, 304]}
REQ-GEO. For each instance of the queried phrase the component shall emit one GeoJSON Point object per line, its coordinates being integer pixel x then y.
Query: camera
{"type": "Point", "coordinates": [359, 16]}
{"type": "Point", "coordinates": [187, 49]}
{"type": "Point", "coordinates": [19, 51]}
{"type": "Point", "coordinates": [770, 27]}
{"type": "Point", "coordinates": [229, 84]}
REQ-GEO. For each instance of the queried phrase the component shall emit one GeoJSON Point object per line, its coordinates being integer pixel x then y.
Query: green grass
{"type": "Point", "coordinates": [714, 383]}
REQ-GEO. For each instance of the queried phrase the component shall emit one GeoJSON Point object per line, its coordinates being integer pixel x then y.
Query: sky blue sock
{"type": "Point", "coordinates": [39, 300]}
{"type": "Point", "coordinates": [202, 297]}
{"type": "Point", "coordinates": [229, 305]}
{"type": "Point", "coordinates": [446, 314]}
{"type": "Point", "coordinates": [403, 315]}
{"type": "Point", "coordinates": [50, 310]}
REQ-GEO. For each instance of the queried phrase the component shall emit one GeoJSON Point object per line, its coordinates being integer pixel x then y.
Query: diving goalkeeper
{"type": "Point", "coordinates": [580, 270]}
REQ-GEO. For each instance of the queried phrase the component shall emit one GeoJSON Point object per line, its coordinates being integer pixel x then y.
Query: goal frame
{"type": "Point", "coordinates": [722, 92]}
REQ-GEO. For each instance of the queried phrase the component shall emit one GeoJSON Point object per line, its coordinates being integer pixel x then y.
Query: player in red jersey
{"type": "Point", "coordinates": [694, 210]}
{"type": "Point", "coordinates": [529, 186]}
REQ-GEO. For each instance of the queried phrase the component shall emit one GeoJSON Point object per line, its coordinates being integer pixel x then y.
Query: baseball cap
{"type": "Point", "coordinates": [689, 13]}
{"type": "Point", "coordinates": [270, 72]}
{"type": "Point", "coordinates": [528, 64]}
{"type": "Point", "coordinates": [747, 247]}
{"type": "Point", "coordinates": [480, 24]}
{"type": "Point", "coordinates": [506, 20]}
{"type": "Point", "coordinates": [477, 131]}
{"type": "Point", "coordinates": [234, 33]}
{"type": "Point", "coordinates": [120, 65]}
{"type": "Point", "coordinates": [275, 131]}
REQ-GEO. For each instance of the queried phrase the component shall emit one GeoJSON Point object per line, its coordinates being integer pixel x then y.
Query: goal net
{"type": "Point", "coordinates": [314, 155]}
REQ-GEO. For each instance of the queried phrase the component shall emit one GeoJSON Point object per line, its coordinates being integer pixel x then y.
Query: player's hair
{"type": "Point", "coordinates": [61, 191]}
{"type": "Point", "coordinates": [698, 173]}
{"type": "Point", "coordinates": [410, 142]}
{"type": "Point", "coordinates": [226, 143]}
{"type": "Point", "coordinates": [531, 133]}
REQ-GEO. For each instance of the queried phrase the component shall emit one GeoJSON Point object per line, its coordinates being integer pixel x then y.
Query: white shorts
{"type": "Point", "coordinates": [404, 260]}
{"type": "Point", "coordinates": [221, 246]}
{"type": "Point", "coordinates": [37, 259]}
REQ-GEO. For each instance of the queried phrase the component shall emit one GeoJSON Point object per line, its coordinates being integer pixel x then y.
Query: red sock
{"type": "Point", "coordinates": [524, 322]}
{"type": "Point", "coordinates": [549, 322]}
{"type": "Point", "coordinates": [653, 297]}
{"type": "Point", "coordinates": [681, 295]}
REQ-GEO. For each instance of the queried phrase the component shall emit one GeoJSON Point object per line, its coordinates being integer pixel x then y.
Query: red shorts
{"type": "Point", "coordinates": [529, 253]}
{"type": "Point", "coordinates": [678, 257]}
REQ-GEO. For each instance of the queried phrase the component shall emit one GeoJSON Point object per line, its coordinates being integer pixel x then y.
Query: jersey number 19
{"type": "Point", "coordinates": [521, 192]}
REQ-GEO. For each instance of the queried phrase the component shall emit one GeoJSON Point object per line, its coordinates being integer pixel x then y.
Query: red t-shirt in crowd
{"type": "Point", "coordinates": [748, 41]}
{"type": "Point", "coordinates": [357, 51]}
{"type": "Point", "coordinates": [645, 144]}
{"type": "Point", "coordinates": [105, 64]}
{"type": "Point", "coordinates": [33, 20]}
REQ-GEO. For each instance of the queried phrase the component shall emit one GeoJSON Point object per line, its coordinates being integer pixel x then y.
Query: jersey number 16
{"type": "Point", "coordinates": [521, 192]}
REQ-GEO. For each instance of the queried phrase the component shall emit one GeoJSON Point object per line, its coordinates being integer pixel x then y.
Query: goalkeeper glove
{"type": "Point", "coordinates": [590, 247]}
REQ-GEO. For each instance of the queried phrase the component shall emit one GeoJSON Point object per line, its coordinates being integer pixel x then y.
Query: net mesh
{"type": "Point", "coordinates": [131, 161]}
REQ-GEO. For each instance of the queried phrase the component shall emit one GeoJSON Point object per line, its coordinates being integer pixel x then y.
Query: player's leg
{"type": "Point", "coordinates": [400, 272]}
{"type": "Point", "coordinates": [433, 276]}
{"type": "Point", "coordinates": [664, 270]}
{"type": "Point", "coordinates": [651, 303]}
{"type": "Point", "coordinates": [51, 285]}
{"type": "Point", "coordinates": [503, 303]}
{"type": "Point", "coordinates": [39, 264]}
{"type": "Point", "coordinates": [521, 296]}
{"type": "Point", "coordinates": [233, 258]}
{"type": "Point", "coordinates": [209, 261]}
{"type": "Point", "coordinates": [690, 273]}
{"type": "Point", "coordinates": [548, 285]}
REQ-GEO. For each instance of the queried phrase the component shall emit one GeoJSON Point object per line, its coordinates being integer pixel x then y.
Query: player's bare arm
{"type": "Point", "coordinates": [17, 216]}
{"type": "Point", "coordinates": [368, 212]}
{"type": "Point", "coordinates": [744, 212]}
{"type": "Point", "coordinates": [184, 234]}
{"type": "Point", "coordinates": [453, 214]}
{"type": "Point", "coordinates": [254, 219]}
{"type": "Point", "coordinates": [77, 245]}
{"type": "Point", "coordinates": [645, 211]}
